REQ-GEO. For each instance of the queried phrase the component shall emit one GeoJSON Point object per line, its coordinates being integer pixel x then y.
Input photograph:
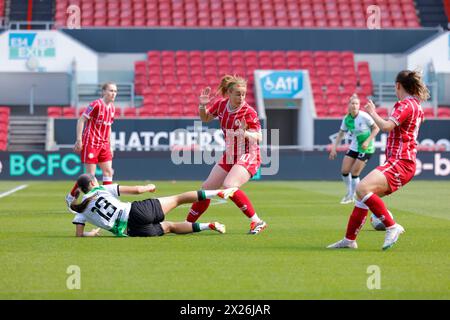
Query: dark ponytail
{"type": "Point", "coordinates": [413, 84]}
{"type": "Point", "coordinates": [84, 183]}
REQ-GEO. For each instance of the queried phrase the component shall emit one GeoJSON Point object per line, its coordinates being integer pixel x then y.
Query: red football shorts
{"type": "Point", "coordinates": [247, 160]}
{"type": "Point", "coordinates": [397, 172]}
{"type": "Point", "coordinates": [96, 155]}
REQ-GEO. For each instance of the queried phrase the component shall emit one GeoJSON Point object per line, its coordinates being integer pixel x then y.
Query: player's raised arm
{"type": "Point", "coordinates": [204, 99]}
{"type": "Point", "coordinates": [137, 189]}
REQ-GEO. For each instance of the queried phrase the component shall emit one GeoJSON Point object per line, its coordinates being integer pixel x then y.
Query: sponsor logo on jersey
{"type": "Point", "coordinates": [89, 109]}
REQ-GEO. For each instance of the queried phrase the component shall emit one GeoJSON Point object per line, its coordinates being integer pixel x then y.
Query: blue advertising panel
{"type": "Point", "coordinates": [281, 84]}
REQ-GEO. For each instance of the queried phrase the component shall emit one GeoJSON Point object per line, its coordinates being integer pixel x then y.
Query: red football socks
{"type": "Point", "coordinates": [356, 221]}
{"type": "Point", "coordinates": [107, 180]}
{"type": "Point", "coordinates": [243, 203]}
{"type": "Point", "coordinates": [377, 206]}
{"type": "Point", "coordinates": [197, 210]}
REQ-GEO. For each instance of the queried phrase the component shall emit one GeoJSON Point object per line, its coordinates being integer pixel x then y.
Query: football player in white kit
{"type": "Point", "coordinates": [101, 207]}
{"type": "Point", "coordinates": [363, 130]}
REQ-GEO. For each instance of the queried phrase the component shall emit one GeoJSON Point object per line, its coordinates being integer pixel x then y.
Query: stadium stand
{"type": "Point", "coordinates": [2, 8]}
{"type": "Point", "coordinates": [239, 13]}
{"type": "Point", "coordinates": [444, 112]}
{"type": "Point", "coordinates": [54, 112]}
{"type": "Point", "coordinates": [4, 124]}
{"type": "Point", "coordinates": [69, 112]}
{"type": "Point", "coordinates": [173, 78]}
{"type": "Point", "coordinates": [169, 81]}
{"type": "Point", "coordinates": [447, 12]}
{"type": "Point", "coordinates": [432, 13]}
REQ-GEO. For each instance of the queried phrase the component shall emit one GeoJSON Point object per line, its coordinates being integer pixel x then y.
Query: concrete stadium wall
{"type": "Point", "coordinates": [118, 67]}
{"type": "Point", "coordinates": [138, 40]}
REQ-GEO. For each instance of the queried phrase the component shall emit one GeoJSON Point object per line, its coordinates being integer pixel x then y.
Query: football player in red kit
{"type": "Point", "coordinates": [94, 134]}
{"type": "Point", "coordinates": [241, 159]}
{"type": "Point", "coordinates": [400, 166]}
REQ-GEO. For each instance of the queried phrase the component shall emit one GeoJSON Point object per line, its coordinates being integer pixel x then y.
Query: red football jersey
{"type": "Point", "coordinates": [408, 116]}
{"type": "Point", "coordinates": [97, 130]}
{"type": "Point", "coordinates": [230, 122]}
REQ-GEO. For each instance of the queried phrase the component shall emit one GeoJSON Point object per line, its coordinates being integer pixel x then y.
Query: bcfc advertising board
{"type": "Point", "coordinates": [160, 165]}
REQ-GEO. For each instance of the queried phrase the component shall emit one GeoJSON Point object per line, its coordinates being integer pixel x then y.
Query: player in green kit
{"type": "Point", "coordinates": [363, 130]}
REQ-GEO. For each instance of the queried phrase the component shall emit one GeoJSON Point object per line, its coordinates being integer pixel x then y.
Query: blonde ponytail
{"type": "Point", "coordinates": [228, 82]}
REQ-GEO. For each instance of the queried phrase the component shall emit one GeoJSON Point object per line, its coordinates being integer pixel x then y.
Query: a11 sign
{"type": "Point", "coordinates": [281, 84]}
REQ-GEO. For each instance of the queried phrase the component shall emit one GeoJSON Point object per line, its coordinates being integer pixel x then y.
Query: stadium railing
{"type": "Point", "coordinates": [384, 94]}
{"type": "Point", "coordinates": [21, 25]}
{"type": "Point", "coordinates": [86, 93]}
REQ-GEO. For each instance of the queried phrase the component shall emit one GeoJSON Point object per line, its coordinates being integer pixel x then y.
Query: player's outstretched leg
{"type": "Point", "coordinates": [187, 227]}
{"type": "Point", "coordinates": [169, 203]}
{"type": "Point", "coordinates": [214, 181]}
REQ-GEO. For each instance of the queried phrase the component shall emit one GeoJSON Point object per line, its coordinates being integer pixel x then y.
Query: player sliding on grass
{"type": "Point", "coordinates": [400, 166]}
{"type": "Point", "coordinates": [101, 207]}
{"type": "Point", "coordinates": [363, 130]}
{"type": "Point", "coordinates": [241, 159]}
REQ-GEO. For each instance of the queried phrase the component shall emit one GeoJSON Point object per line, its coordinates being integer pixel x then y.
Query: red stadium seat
{"type": "Point", "coordinates": [81, 111]}
{"type": "Point", "coordinates": [4, 119]}
{"type": "Point", "coordinates": [428, 112]}
{"type": "Point", "coordinates": [129, 112]}
{"type": "Point", "coordinates": [54, 112]}
{"type": "Point", "coordinates": [444, 112]}
{"type": "Point", "coordinates": [255, 13]}
{"type": "Point", "coordinates": [382, 112]}
{"type": "Point", "coordinates": [5, 109]}
{"type": "Point", "coordinates": [190, 71]}
{"type": "Point", "coordinates": [337, 113]}
{"type": "Point", "coordinates": [69, 112]}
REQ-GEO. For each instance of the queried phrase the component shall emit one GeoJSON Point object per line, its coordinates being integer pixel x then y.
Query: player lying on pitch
{"type": "Point", "coordinates": [101, 207]}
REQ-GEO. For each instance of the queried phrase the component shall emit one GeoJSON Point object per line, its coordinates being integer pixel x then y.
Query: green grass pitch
{"type": "Point", "coordinates": [287, 261]}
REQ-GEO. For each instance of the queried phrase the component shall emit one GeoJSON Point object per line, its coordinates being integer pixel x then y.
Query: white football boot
{"type": "Point", "coordinates": [347, 199]}
{"type": "Point", "coordinates": [344, 243]}
{"type": "Point", "coordinates": [217, 226]}
{"type": "Point", "coordinates": [392, 234]}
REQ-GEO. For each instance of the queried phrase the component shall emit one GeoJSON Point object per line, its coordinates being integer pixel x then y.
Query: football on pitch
{"type": "Point", "coordinates": [377, 224]}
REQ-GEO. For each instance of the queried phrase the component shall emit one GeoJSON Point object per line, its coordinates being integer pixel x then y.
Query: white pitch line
{"type": "Point", "coordinates": [7, 193]}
